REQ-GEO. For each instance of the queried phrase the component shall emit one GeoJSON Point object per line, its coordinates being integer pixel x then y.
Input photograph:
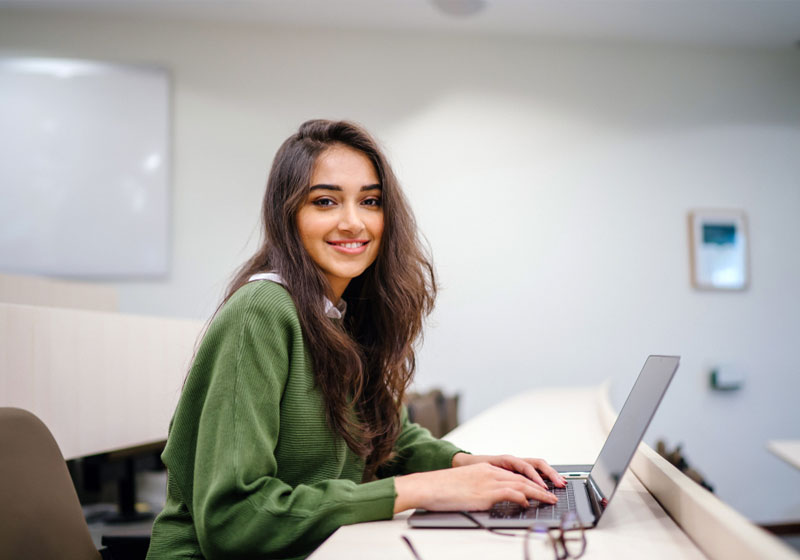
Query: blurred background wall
{"type": "Point", "coordinates": [552, 179]}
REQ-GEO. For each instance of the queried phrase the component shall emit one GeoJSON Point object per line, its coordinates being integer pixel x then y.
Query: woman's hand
{"type": "Point", "coordinates": [472, 487]}
{"type": "Point", "coordinates": [528, 467]}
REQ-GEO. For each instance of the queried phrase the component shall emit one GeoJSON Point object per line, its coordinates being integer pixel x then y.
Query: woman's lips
{"type": "Point", "coordinates": [350, 247]}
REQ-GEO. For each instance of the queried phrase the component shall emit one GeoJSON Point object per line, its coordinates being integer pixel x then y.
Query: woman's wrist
{"type": "Point", "coordinates": [416, 490]}
{"type": "Point", "coordinates": [406, 490]}
{"type": "Point", "coordinates": [461, 459]}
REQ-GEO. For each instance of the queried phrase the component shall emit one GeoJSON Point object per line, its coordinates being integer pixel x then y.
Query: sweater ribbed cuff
{"type": "Point", "coordinates": [372, 501]}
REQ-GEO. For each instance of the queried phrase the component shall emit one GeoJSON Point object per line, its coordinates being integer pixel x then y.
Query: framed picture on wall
{"type": "Point", "coordinates": [719, 249]}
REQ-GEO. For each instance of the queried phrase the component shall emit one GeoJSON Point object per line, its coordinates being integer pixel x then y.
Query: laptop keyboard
{"type": "Point", "coordinates": [535, 510]}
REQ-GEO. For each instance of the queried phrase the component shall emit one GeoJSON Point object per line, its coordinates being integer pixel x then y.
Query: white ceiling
{"type": "Point", "coordinates": [761, 23]}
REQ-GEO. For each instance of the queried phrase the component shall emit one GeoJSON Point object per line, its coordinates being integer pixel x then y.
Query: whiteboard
{"type": "Point", "coordinates": [84, 171]}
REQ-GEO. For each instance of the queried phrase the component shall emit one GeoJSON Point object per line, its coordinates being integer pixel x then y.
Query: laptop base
{"type": "Point", "coordinates": [424, 519]}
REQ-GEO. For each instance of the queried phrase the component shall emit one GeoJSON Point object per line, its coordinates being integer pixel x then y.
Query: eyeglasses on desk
{"type": "Point", "coordinates": [568, 540]}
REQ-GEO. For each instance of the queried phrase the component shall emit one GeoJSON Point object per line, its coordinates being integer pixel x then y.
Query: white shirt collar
{"type": "Point", "coordinates": [332, 311]}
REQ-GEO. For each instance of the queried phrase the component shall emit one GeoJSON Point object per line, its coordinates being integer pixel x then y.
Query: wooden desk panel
{"type": "Point", "coordinates": [100, 381]}
{"type": "Point", "coordinates": [49, 292]}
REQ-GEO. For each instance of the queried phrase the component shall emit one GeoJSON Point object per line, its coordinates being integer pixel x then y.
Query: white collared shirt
{"type": "Point", "coordinates": [332, 311]}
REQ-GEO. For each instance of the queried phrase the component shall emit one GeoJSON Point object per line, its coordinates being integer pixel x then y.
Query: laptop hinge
{"type": "Point", "coordinates": [599, 503]}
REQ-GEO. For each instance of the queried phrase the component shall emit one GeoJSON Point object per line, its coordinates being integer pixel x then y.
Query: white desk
{"type": "Point", "coordinates": [787, 449]}
{"type": "Point", "coordinates": [563, 426]}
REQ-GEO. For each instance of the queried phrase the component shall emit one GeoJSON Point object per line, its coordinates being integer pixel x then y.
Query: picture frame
{"type": "Point", "coordinates": [719, 247]}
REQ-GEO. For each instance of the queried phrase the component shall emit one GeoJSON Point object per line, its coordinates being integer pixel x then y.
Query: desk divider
{"type": "Point", "coordinates": [100, 381]}
{"type": "Point", "coordinates": [721, 532]}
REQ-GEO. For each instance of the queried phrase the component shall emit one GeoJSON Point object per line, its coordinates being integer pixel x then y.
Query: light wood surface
{"type": "Point", "coordinates": [786, 449]}
{"type": "Point", "coordinates": [563, 426]}
{"type": "Point", "coordinates": [100, 381]}
{"type": "Point", "coordinates": [36, 290]}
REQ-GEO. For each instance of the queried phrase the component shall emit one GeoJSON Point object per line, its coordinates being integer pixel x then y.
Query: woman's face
{"type": "Point", "coordinates": [341, 221]}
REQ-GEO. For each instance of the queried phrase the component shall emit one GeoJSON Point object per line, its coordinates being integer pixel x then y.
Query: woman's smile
{"type": "Point", "coordinates": [350, 247]}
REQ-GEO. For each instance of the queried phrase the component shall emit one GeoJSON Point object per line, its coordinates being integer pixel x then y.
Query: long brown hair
{"type": "Point", "coordinates": [365, 363]}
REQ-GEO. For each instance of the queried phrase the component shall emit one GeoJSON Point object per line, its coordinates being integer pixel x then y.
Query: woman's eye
{"type": "Point", "coordinates": [373, 202]}
{"type": "Point", "coordinates": [323, 202]}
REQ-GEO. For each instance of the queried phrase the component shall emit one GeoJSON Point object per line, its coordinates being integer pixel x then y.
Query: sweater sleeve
{"type": "Point", "coordinates": [240, 506]}
{"type": "Point", "coordinates": [417, 450]}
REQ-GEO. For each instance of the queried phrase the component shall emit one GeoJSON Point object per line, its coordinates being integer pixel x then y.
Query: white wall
{"type": "Point", "coordinates": [553, 182]}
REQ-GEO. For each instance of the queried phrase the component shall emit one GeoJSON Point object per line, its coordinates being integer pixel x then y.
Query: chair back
{"type": "Point", "coordinates": [40, 514]}
{"type": "Point", "coordinates": [434, 411]}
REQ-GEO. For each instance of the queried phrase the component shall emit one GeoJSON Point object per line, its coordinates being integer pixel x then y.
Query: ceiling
{"type": "Point", "coordinates": [746, 23]}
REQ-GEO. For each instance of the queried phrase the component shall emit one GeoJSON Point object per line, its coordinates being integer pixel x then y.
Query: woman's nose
{"type": "Point", "coordinates": [350, 220]}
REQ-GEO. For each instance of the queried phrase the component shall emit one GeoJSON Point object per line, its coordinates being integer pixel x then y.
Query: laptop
{"type": "Point", "coordinates": [590, 488]}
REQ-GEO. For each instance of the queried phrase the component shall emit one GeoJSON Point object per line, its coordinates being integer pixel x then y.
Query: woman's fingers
{"type": "Point", "coordinates": [510, 495]}
{"type": "Point", "coordinates": [527, 491]}
{"type": "Point", "coordinates": [519, 483]}
{"type": "Point", "coordinates": [529, 467]}
{"type": "Point", "coordinates": [515, 464]}
{"type": "Point", "coordinates": [524, 467]}
{"type": "Point", "coordinates": [549, 472]}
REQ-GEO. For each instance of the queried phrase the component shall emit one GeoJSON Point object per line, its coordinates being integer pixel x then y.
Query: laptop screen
{"type": "Point", "coordinates": [632, 423]}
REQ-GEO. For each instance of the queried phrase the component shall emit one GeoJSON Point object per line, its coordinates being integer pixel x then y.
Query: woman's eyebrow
{"type": "Point", "coordinates": [324, 187]}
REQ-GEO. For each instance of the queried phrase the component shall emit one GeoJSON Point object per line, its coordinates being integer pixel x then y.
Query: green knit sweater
{"type": "Point", "coordinates": [254, 471]}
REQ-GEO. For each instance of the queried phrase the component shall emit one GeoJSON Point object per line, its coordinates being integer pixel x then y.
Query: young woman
{"type": "Point", "coordinates": [291, 421]}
